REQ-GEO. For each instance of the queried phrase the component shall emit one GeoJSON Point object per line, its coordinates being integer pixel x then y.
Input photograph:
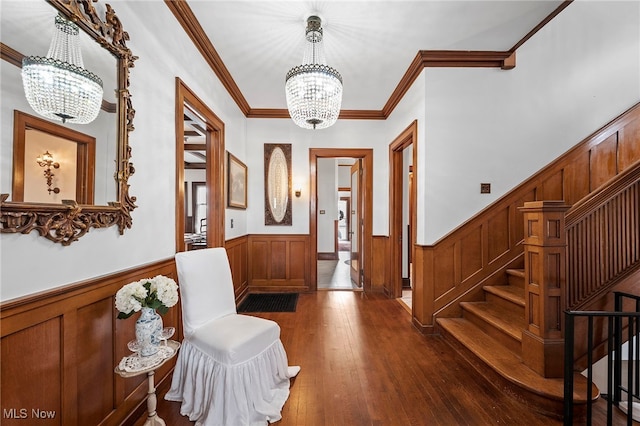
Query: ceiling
{"type": "Point", "coordinates": [371, 43]}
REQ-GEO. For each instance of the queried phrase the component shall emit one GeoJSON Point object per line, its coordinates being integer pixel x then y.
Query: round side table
{"type": "Point", "coordinates": [152, 419]}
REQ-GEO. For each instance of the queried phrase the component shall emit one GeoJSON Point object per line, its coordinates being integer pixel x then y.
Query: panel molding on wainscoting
{"type": "Point", "coordinates": [279, 262]}
{"type": "Point", "coordinates": [65, 344]}
{"type": "Point", "coordinates": [456, 267]}
{"type": "Point", "coordinates": [237, 252]}
{"type": "Point", "coordinates": [381, 265]}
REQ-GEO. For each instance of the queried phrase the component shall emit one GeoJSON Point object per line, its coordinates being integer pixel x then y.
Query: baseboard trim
{"type": "Point", "coordinates": [424, 329]}
{"type": "Point", "coordinates": [328, 256]}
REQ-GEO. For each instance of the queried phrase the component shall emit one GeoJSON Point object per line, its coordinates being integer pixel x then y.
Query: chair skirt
{"type": "Point", "coordinates": [232, 372]}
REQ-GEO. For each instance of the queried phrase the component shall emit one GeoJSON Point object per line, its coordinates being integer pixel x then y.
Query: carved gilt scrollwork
{"type": "Point", "coordinates": [61, 223]}
{"type": "Point", "coordinates": [67, 222]}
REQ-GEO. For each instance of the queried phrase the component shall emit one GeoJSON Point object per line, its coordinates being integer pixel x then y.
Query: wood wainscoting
{"type": "Point", "coordinates": [237, 251]}
{"type": "Point", "coordinates": [59, 349]}
{"type": "Point", "coordinates": [476, 254]}
{"type": "Point", "coordinates": [278, 262]}
{"type": "Point", "coordinates": [381, 265]}
{"type": "Point", "coordinates": [455, 268]}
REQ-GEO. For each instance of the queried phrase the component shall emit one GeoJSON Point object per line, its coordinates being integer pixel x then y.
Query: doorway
{"type": "Point", "coordinates": [364, 157]}
{"type": "Point", "coordinates": [338, 254]}
{"type": "Point", "coordinates": [199, 173]}
{"type": "Point", "coordinates": [402, 212]}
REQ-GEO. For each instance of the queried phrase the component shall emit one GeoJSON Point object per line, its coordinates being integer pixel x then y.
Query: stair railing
{"type": "Point", "coordinates": [615, 323]}
{"type": "Point", "coordinates": [572, 257]}
{"type": "Point", "coordinates": [603, 239]}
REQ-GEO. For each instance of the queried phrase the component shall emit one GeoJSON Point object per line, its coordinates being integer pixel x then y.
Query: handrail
{"type": "Point", "coordinates": [615, 325]}
{"type": "Point", "coordinates": [618, 183]}
{"type": "Point", "coordinates": [603, 238]}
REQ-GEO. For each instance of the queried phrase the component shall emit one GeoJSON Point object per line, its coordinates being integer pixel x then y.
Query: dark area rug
{"type": "Point", "coordinates": [269, 302]}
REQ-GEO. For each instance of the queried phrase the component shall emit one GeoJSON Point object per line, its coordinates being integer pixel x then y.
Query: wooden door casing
{"type": "Point", "coordinates": [406, 138]}
{"type": "Point", "coordinates": [366, 154]}
{"type": "Point", "coordinates": [355, 263]}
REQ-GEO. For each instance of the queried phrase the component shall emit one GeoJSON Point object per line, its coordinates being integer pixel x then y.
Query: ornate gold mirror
{"type": "Point", "coordinates": [65, 220]}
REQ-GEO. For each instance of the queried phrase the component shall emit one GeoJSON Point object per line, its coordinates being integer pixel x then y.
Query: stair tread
{"type": "Point", "coordinates": [502, 319]}
{"type": "Point", "coordinates": [516, 272]}
{"type": "Point", "coordinates": [506, 363]}
{"type": "Point", "coordinates": [508, 292]}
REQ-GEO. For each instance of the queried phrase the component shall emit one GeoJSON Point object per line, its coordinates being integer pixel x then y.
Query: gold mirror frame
{"type": "Point", "coordinates": [67, 222]}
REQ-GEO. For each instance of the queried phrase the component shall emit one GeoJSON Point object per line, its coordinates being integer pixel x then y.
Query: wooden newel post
{"type": "Point", "coordinates": [545, 286]}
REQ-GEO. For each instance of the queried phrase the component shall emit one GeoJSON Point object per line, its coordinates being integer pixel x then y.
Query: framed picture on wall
{"type": "Point", "coordinates": [236, 183]}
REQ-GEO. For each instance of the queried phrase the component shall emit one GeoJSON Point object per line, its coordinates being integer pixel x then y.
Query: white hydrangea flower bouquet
{"type": "Point", "coordinates": [159, 293]}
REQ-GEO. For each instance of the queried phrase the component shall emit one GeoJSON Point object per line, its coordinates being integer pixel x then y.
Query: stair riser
{"type": "Point", "coordinates": [508, 305]}
{"type": "Point", "coordinates": [505, 339]}
{"type": "Point", "coordinates": [515, 280]}
{"type": "Point", "coordinates": [550, 407]}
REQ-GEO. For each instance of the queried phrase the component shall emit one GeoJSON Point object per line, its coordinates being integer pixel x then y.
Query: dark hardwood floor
{"type": "Point", "coordinates": [363, 363]}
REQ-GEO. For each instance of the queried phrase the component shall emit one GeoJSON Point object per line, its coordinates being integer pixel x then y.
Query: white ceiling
{"type": "Point", "coordinates": [371, 43]}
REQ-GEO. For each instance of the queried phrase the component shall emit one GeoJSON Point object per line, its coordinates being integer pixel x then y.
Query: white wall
{"type": "Point", "coordinates": [412, 108]}
{"type": "Point", "coordinates": [572, 77]}
{"type": "Point", "coordinates": [487, 125]}
{"type": "Point", "coordinates": [344, 134]}
{"type": "Point", "coordinates": [344, 173]}
{"type": "Point", "coordinates": [31, 263]}
{"type": "Point", "coordinates": [327, 204]}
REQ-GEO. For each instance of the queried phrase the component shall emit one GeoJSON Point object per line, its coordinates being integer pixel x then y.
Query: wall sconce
{"type": "Point", "coordinates": [46, 160]}
{"type": "Point", "coordinates": [298, 192]}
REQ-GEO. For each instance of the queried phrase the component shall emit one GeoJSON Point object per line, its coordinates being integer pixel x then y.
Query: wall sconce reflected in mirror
{"type": "Point", "coordinates": [46, 160]}
{"type": "Point", "coordinates": [298, 192]}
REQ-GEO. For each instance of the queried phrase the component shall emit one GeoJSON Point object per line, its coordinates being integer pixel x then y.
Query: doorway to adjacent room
{"type": "Point", "coordinates": [328, 232]}
{"type": "Point", "coordinates": [402, 213]}
{"type": "Point", "coordinates": [199, 173]}
{"type": "Point", "coordinates": [338, 242]}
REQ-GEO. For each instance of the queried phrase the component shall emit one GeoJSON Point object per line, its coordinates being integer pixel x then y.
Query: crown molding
{"type": "Point", "coordinates": [361, 114]}
{"type": "Point", "coordinates": [268, 113]}
{"type": "Point", "coordinates": [345, 114]}
{"type": "Point", "coordinates": [10, 55]}
{"type": "Point", "coordinates": [423, 59]}
{"type": "Point", "coordinates": [544, 22]}
{"type": "Point", "coordinates": [447, 59]}
{"type": "Point", "coordinates": [192, 27]}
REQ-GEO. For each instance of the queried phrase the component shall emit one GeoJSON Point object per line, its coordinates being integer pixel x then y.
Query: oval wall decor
{"type": "Point", "coordinates": [277, 167]}
{"type": "Point", "coordinates": [278, 184]}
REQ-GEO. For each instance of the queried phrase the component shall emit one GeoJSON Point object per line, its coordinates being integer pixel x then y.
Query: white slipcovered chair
{"type": "Point", "coordinates": [232, 369]}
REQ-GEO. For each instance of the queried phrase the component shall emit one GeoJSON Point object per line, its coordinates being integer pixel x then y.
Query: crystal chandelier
{"type": "Point", "coordinates": [313, 89]}
{"type": "Point", "coordinates": [58, 86]}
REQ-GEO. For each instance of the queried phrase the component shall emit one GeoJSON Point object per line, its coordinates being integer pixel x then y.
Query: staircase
{"type": "Point", "coordinates": [489, 336]}
{"type": "Point", "coordinates": [472, 292]}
